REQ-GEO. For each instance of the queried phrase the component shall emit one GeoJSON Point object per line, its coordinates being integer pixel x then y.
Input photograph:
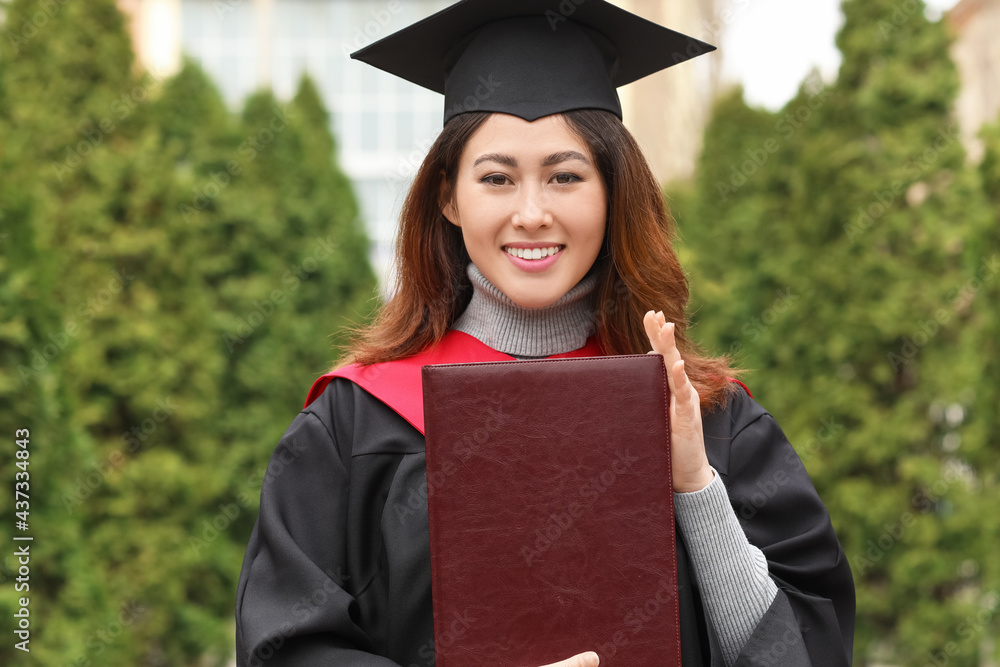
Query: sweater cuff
{"type": "Point", "coordinates": [732, 574]}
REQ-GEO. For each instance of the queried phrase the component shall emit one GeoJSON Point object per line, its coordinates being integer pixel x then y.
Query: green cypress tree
{"type": "Point", "coordinates": [837, 271]}
{"type": "Point", "coordinates": [307, 214]}
{"type": "Point", "coordinates": [141, 234]}
{"type": "Point", "coordinates": [62, 136]}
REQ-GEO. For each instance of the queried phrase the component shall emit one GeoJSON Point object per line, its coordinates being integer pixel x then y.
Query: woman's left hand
{"type": "Point", "coordinates": [690, 465]}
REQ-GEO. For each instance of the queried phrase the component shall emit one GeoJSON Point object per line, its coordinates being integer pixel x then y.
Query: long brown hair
{"type": "Point", "coordinates": [638, 268]}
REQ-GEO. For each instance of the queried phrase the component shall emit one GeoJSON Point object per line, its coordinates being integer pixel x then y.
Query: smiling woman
{"type": "Point", "coordinates": [534, 229]}
{"type": "Point", "coordinates": [607, 206]}
{"type": "Point", "coordinates": [531, 206]}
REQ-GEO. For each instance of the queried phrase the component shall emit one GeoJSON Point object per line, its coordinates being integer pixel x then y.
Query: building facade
{"type": "Point", "coordinates": [976, 51]}
{"type": "Point", "coordinates": [668, 111]}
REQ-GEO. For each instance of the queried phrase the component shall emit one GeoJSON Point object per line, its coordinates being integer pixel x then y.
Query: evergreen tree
{"type": "Point", "coordinates": [836, 268]}
{"type": "Point", "coordinates": [169, 279]}
{"type": "Point", "coordinates": [62, 134]}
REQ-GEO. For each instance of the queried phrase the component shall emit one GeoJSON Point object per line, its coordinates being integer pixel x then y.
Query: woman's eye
{"type": "Point", "coordinates": [565, 179]}
{"type": "Point", "coordinates": [495, 179]}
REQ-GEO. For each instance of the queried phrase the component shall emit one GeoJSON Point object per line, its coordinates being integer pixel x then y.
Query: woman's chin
{"type": "Point", "coordinates": [533, 300]}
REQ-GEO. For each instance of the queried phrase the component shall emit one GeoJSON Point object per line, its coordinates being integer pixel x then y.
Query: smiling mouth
{"type": "Point", "coordinates": [533, 253]}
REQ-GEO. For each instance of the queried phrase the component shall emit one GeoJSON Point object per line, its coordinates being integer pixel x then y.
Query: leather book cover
{"type": "Point", "coordinates": [551, 512]}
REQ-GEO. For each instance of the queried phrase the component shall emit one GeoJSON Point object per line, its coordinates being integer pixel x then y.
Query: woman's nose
{"type": "Point", "coordinates": [531, 212]}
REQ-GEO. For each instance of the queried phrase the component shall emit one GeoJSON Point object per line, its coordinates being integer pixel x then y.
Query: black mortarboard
{"type": "Point", "coordinates": [530, 58]}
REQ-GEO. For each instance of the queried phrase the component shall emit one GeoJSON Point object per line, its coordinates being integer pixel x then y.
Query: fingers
{"type": "Point", "coordinates": [652, 329]}
{"type": "Point", "coordinates": [668, 345]}
{"type": "Point", "coordinates": [660, 332]}
{"type": "Point", "coordinates": [690, 466]}
{"type": "Point", "coordinates": [684, 393]}
{"type": "Point", "coordinates": [661, 339]}
{"type": "Point", "coordinates": [588, 659]}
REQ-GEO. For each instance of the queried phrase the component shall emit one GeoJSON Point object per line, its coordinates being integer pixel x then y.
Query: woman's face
{"type": "Point", "coordinates": [531, 204]}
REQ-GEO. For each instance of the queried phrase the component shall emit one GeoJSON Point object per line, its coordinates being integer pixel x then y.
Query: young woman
{"type": "Point", "coordinates": [534, 228]}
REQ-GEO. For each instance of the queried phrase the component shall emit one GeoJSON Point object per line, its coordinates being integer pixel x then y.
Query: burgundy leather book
{"type": "Point", "coordinates": [551, 512]}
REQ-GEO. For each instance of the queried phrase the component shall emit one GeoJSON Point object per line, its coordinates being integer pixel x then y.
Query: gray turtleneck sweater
{"type": "Point", "coordinates": [731, 573]}
{"type": "Point", "coordinates": [526, 333]}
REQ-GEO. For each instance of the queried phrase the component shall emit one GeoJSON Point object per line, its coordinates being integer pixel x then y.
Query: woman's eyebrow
{"type": "Point", "coordinates": [564, 156]}
{"type": "Point", "coordinates": [505, 160]}
{"type": "Point", "coordinates": [509, 161]}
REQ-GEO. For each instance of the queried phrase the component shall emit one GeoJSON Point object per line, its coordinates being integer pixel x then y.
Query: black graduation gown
{"type": "Point", "coordinates": [337, 568]}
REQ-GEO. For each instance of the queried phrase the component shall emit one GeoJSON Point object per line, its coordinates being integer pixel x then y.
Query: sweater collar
{"type": "Point", "coordinates": [493, 318]}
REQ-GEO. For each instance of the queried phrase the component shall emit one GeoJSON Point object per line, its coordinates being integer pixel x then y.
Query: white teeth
{"type": "Point", "coordinates": [532, 253]}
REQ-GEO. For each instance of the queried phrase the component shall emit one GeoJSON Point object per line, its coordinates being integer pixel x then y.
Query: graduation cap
{"type": "Point", "coordinates": [530, 58]}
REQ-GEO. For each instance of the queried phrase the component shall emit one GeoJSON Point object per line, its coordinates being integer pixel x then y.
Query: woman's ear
{"type": "Point", "coordinates": [447, 203]}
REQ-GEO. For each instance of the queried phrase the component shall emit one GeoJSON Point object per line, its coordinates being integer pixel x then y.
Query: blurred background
{"type": "Point", "coordinates": [197, 196]}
